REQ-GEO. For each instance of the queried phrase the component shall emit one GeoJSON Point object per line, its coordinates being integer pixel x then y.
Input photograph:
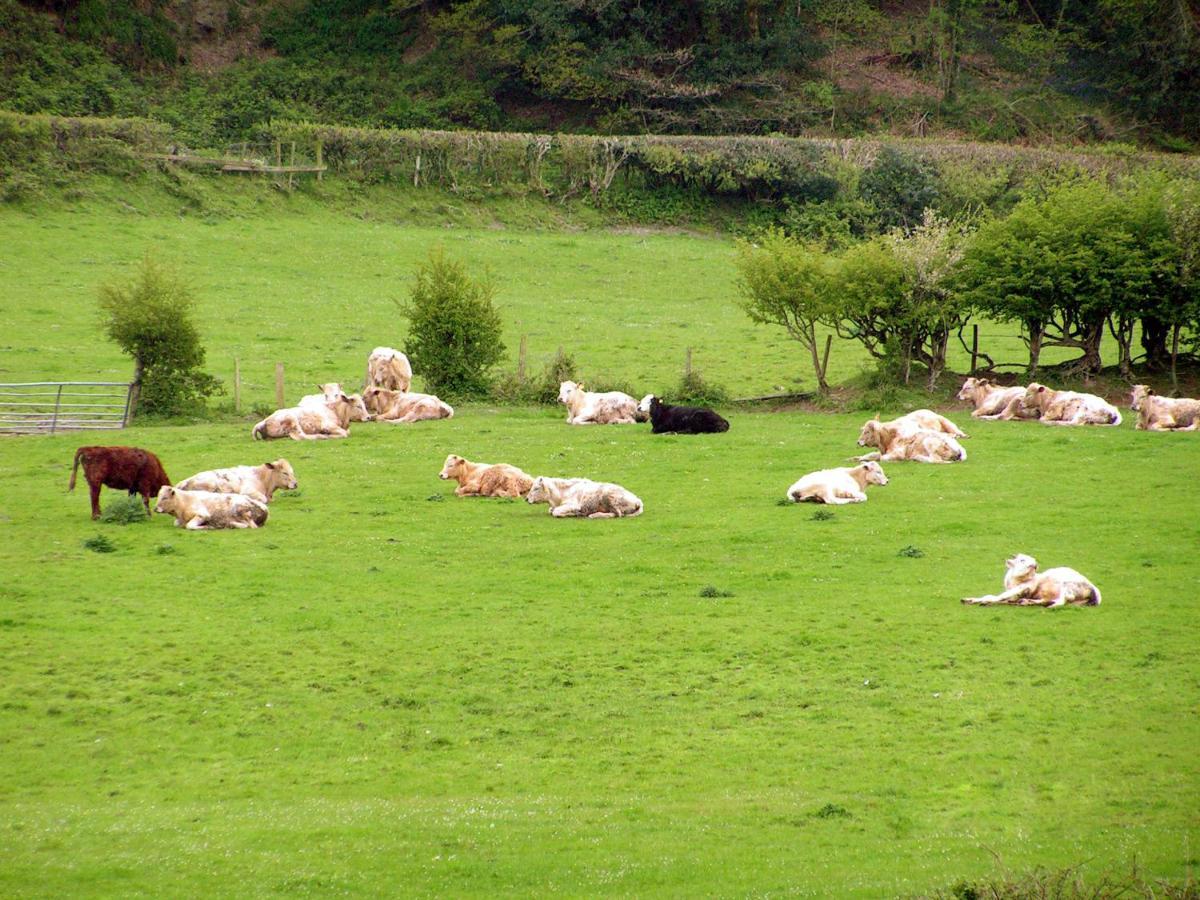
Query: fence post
{"type": "Point", "coordinates": [292, 165]}
{"type": "Point", "coordinates": [974, 346]}
{"type": "Point", "coordinates": [417, 172]}
{"type": "Point", "coordinates": [320, 158]}
{"type": "Point", "coordinates": [279, 154]}
{"type": "Point", "coordinates": [279, 404]}
{"type": "Point", "coordinates": [237, 385]}
{"type": "Point", "coordinates": [521, 357]}
{"type": "Point", "coordinates": [687, 364]}
{"type": "Point", "coordinates": [57, 404]}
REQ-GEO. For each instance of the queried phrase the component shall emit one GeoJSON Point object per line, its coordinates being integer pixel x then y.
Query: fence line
{"type": "Point", "coordinates": [24, 409]}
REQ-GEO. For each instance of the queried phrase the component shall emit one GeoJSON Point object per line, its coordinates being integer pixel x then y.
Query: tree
{"type": "Point", "coordinates": [150, 318]}
{"type": "Point", "coordinates": [454, 328]}
{"type": "Point", "coordinates": [786, 283]}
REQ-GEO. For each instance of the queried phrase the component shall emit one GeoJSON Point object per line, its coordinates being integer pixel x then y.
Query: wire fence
{"type": "Point", "coordinates": [47, 407]}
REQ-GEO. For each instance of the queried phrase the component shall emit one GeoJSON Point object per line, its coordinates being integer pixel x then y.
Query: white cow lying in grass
{"type": "Point", "coordinates": [995, 402]}
{"type": "Point", "coordinates": [485, 479]}
{"type": "Point", "coordinates": [1024, 586]}
{"type": "Point", "coordinates": [311, 423]}
{"type": "Point", "coordinates": [587, 408]}
{"type": "Point", "coordinates": [925, 420]}
{"type": "Point", "coordinates": [259, 482]}
{"type": "Point", "coordinates": [203, 510]}
{"type": "Point", "coordinates": [897, 444]}
{"type": "Point", "coordinates": [837, 486]}
{"type": "Point", "coordinates": [397, 406]}
{"type": "Point", "coordinates": [593, 499]}
{"type": "Point", "coordinates": [1157, 413]}
{"type": "Point", "coordinates": [1069, 407]}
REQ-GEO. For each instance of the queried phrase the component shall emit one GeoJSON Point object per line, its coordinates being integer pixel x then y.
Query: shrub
{"type": "Point", "coordinates": [99, 544]}
{"type": "Point", "coordinates": [900, 187]}
{"type": "Point", "coordinates": [150, 318]}
{"type": "Point", "coordinates": [694, 388]}
{"type": "Point", "coordinates": [125, 510]}
{"type": "Point", "coordinates": [454, 328]}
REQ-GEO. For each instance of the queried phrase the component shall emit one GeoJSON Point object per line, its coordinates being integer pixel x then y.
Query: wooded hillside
{"type": "Point", "coordinates": [1038, 71]}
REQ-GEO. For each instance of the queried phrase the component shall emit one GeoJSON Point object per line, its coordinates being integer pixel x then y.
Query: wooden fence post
{"type": "Point", "coordinates": [320, 158]}
{"type": "Point", "coordinates": [521, 357]}
{"type": "Point", "coordinates": [974, 347]}
{"type": "Point", "coordinates": [279, 404]}
{"type": "Point", "coordinates": [278, 154]}
{"type": "Point", "coordinates": [291, 165]}
{"type": "Point", "coordinates": [687, 364]}
{"type": "Point", "coordinates": [417, 172]}
{"type": "Point", "coordinates": [57, 406]}
{"type": "Point", "coordinates": [237, 385]}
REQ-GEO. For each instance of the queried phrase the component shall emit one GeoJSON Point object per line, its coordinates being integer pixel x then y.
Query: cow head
{"type": "Point", "coordinates": [329, 390]}
{"type": "Point", "coordinates": [166, 499]}
{"type": "Point", "coordinates": [970, 386]}
{"type": "Point", "coordinates": [451, 467]}
{"type": "Point", "coordinates": [538, 493]}
{"type": "Point", "coordinates": [1140, 393]}
{"type": "Point", "coordinates": [358, 409]}
{"type": "Point", "coordinates": [285, 478]}
{"type": "Point", "coordinates": [869, 436]}
{"type": "Point", "coordinates": [1035, 396]}
{"type": "Point", "coordinates": [566, 389]}
{"type": "Point", "coordinates": [1021, 567]}
{"type": "Point", "coordinates": [874, 473]}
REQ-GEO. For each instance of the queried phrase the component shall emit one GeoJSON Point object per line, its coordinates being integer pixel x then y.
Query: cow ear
{"type": "Point", "coordinates": [1041, 388]}
{"type": "Point", "coordinates": [270, 465]}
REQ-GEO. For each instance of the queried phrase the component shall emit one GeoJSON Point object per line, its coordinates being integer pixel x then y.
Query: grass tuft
{"type": "Point", "coordinates": [710, 590]}
{"type": "Point", "coordinates": [100, 544]}
{"type": "Point", "coordinates": [912, 552]}
{"type": "Point", "coordinates": [124, 510]}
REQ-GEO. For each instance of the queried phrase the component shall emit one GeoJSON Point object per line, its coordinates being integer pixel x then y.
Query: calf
{"type": "Point", "coordinates": [329, 392]}
{"type": "Point", "coordinates": [590, 408]}
{"type": "Point", "coordinates": [388, 368]}
{"type": "Point", "coordinates": [259, 482]}
{"type": "Point", "coordinates": [1157, 413]}
{"type": "Point", "coordinates": [124, 468]}
{"type": "Point", "coordinates": [666, 419]}
{"type": "Point", "coordinates": [203, 510]}
{"type": "Point", "coordinates": [484, 480]}
{"type": "Point", "coordinates": [1024, 586]}
{"type": "Point", "coordinates": [995, 402]}
{"type": "Point", "coordinates": [394, 406]}
{"type": "Point", "coordinates": [837, 486]}
{"type": "Point", "coordinates": [897, 444]}
{"type": "Point", "coordinates": [1068, 407]}
{"type": "Point", "coordinates": [311, 423]}
{"type": "Point", "coordinates": [593, 499]}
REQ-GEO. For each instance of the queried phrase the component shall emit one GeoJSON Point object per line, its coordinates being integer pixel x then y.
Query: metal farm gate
{"type": "Point", "coordinates": [46, 407]}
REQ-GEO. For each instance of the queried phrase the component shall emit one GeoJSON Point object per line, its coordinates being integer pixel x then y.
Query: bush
{"type": "Point", "coordinates": [900, 187]}
{"type": "Point", "coordinates": [126, 510]}
{"type": "Point", "coordinates": [454, 328]}
{"type": "Point", "coordinates": [151, 319]}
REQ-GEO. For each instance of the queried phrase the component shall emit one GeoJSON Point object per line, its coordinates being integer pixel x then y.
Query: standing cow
{"type": "Point", "coordinates": [388, 368]}
{"type": "Point", "coordinates": [124, 468]}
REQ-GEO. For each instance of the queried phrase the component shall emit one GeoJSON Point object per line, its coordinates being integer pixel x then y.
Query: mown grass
{"type": "Point", "coordinates": [317, 291]}
{"type": "Point", "coordinates": [377, 693]}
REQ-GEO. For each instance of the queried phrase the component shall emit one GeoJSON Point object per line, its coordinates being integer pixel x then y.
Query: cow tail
{"type": "Point", "coordinates": [1095, 598]}
{"type": "Point", "coordinates": [256, 431]}
{"type": "Point", "coordinates": [1116, 417]}
{"type": "Point", "coordinates": [75, 469]}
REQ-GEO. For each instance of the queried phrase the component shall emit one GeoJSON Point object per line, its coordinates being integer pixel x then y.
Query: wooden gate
{"type": "Point", "coordinates": [46, 407]}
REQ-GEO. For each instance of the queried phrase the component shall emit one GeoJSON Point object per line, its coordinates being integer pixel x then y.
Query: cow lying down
{"type": "Point", "coordinates": [668, 419]}
{"type": "Point", "coordinates": [897, 444]}
{"type": "Point", "coordinates": [837, 486]}
{"type": "Point", "coordinates": [1068, 407]}
{"type": "Point", "coordinates": [1025, 586]}
{"type": "Point", "coordinates": [259, 482]}
{"type": "Point", "coordinates": [1157, 413]}
{"type": "Point", "coordinates": [592, 408]}
{"type": "Point", "coordinates": [311, 423]}
{"type": "Point", "coordinates": [484, 480]}
{"type": "Point", "coordinates": [995, 402]}
{"type": "Point", "coordinates": [397, 407]}
{"type": "Point", "coordinates": [925, 420]}
{"type": "Point", "coordinates": [581, 497]}
{"type": "Point", "coordinates": [203, 510]}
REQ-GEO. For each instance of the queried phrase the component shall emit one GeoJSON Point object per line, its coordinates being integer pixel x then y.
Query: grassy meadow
{"type": "Point", "coordinates": [390, 690]}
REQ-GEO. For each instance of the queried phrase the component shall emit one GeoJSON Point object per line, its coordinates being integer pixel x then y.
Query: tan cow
{"type": "Point", "coordinates": [995, 402]}
{"type": "Point", "coordinates": [896, 444]}
{"type": "Point", "coordinates": [311, 423]}
{"type": "Point", "coordinates": [328, 393]}
{"type": "Point", "coordinates": [1069, 407]}
{"type": "Point", "coordinates": [1156, 413]}
{"type": "Point", "coordinates": [259, 482]}
{"type": "Point", "coordinates": [925, 420]}
{"type": "Point", "coordinates": [593, 499]}
{"type": "Point", "coordinates": [202, 510]}
{"type": "Point", "coordinates": [395, 407]}
{"type": "Point", "coordinates": [388, 368]}
{"type": "Point", "coordinates": [485, 480]}
{"type": "Point", "coordinates": [1024, 586]}
{"type": "Point", "coordinates": [837, 486]}
{"type": "Point", "coordinates": [589, 408]}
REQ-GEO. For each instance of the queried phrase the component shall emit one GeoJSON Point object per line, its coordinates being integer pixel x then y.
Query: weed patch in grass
{"type": "Point", "coordinates": [99, 544]}
{"type": "Point", "coordinates": [124, 510]}
{"type": "Point", "coordinates": [911, 552]}
{"type": "Point", "coordinates": [712, 591]}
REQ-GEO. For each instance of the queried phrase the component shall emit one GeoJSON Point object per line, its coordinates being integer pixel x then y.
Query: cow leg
{"type": "Point", "coordinates": [1015, 596]}
{"type": "Point", "coordinates": [94, 491]}
{"type": "Point", "coordinates": [146, 503]}
{"type": "Point", "coordinates": [196, 523]}
{"type": "Point", "coordinates": [603, 515]}
{"type": "Point", "coordinates": [566, 510]}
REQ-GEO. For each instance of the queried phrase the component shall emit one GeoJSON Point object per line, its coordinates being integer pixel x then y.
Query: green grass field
{"type": "Point", "coordinates": [390, 690]}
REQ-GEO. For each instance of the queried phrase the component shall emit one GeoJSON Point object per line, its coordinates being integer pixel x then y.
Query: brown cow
{"type": "Point", "coordinates": [124, 468]}
{"type": "Point", "coordinates": [484, 479]}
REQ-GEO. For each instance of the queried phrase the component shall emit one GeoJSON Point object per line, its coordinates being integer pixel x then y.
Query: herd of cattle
{"type": "Point", "coordinates": [239, 497]}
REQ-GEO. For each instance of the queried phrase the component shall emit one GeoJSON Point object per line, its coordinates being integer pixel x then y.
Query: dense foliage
{"type": "Point", "coordinates": [150, 318]}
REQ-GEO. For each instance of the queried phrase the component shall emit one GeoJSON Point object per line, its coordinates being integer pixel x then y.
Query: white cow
{"type": "Point", "coordinates": [1156, 413]}
{"type": "Point", "coordinates": [900, 444]}
{"type": "Point", "coordinates": [1024, 586]}
{"type": "Point", "coordinates": [311, 423]}
{"type": "Point", "coordinates": [593, 499]}
{"type": "Point", "coordinates": [1069, 407]}
{"type": "Point", "coordinates": [837, 486]}
{"type": "Point", "coordinates": [588, 408]}
{"type": "Point", "coordinates": [396, 406]}
{"type": "Point", "coordinates": [995, 402]}
{"type": "Point", "coordinates": [388, 368]}
{"type": "Point", "coordinates": [259, 482]}
{"type": "Point", "coordinates": [202, 510]}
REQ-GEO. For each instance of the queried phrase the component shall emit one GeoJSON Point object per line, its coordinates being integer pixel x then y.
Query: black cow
{"type": "Point", "coordinates": [668, 419]}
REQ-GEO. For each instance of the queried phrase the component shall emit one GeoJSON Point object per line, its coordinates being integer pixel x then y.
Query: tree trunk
{"type": "Point", "coordinates": [1036, 332]}
{"type": "Point", "coordinates": [1091, 336]}
{"type": "Point", "coordinates": [810, 340]}
{"type": "Point", "coordinates": [1154, 342]}
{"type": "Point", "coordinates": [1175, 357]}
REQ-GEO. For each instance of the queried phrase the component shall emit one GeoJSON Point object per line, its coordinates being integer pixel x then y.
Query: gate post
{"type": "Point", "coordinates": [57, 404]}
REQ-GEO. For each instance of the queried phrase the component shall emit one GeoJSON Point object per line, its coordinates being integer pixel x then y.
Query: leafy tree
{"type": "Point", "coordinates": [787, 283]}
{"type": "Point", "coordinates": [454, 327]}
{"type": "Point", "coordinates": [900, 187]}
{"type": "Point", "coordinates": [150, 318]}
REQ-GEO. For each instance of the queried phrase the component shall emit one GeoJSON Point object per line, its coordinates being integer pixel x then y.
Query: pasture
{"type": "Point", "coordinates": [391, 689]}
